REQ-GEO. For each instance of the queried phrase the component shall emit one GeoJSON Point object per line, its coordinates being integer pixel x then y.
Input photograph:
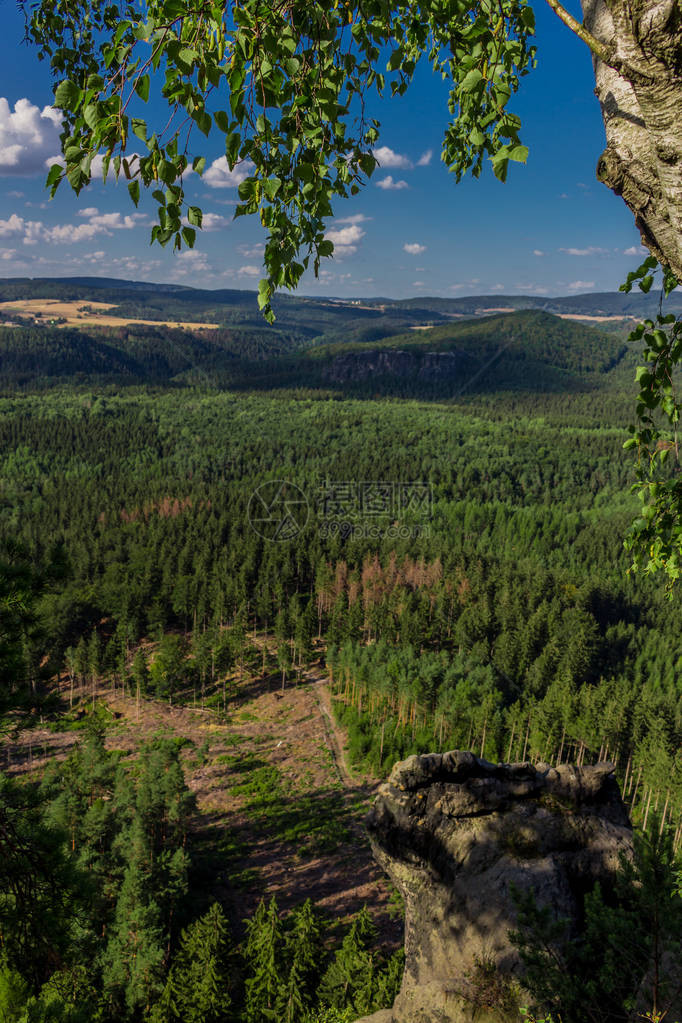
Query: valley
{"type": "Point", "coordinates": [244, 571]}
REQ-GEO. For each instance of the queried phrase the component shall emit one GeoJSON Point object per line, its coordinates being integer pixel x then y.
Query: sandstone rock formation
{"type": "Point", "coordinates": [454, 833]}
{"type": "Point", "coordinates": [430, 366]}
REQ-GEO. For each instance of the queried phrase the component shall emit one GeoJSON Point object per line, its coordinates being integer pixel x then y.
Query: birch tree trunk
{"type": "Point", "coordinates": [639, 88]}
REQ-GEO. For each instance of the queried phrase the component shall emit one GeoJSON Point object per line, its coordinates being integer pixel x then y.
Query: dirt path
{"type": "Point", "coordinates": [336, 739]}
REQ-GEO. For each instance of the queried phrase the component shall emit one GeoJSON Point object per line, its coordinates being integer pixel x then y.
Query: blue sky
{"type": "Point", "coordinates": [551, 229]}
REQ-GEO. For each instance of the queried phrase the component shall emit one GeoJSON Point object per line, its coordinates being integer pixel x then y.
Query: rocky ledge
{"type": "Point", "coordinates": [455, 833]}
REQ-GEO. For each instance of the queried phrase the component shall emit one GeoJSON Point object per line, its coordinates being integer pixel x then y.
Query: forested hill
{"type": "Point", "coordinates": [529, 350]}
{"type": "Point", "coordinates": [526, 350]}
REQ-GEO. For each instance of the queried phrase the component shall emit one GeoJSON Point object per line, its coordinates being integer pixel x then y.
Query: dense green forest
{"type": "Point", "coordinates": [459, 566]}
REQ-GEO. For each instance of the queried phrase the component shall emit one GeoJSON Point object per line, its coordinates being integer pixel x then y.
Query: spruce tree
{"type": "Point", "coordinates": [303, 952]}
{"type": "Point", "coordinates": [351, 976]}
{"type": "Point", "coordinates": [199, 985]}
{"type": "Point", "coordinates": [263, 956]}
{"type": "Point", "coordinates": [134, 956]}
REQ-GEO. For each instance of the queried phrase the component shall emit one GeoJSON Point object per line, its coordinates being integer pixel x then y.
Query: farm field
{"type": "Point", "coordinates": [88, 314]}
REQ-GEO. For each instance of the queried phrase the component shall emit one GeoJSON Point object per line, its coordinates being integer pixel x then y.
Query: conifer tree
{"type": "Point", "coordinates": [263, 956]}
{"type": "Point", "coordinates": [303, 952]}
{"type": "Point", "coordinates": [628, 953]}
{"type": "Point", "coordinates": [351, 976]}
{"type": "Point", "coordinates": [199, 985]}
{"type": "Point", "coordinates": [134, 956]}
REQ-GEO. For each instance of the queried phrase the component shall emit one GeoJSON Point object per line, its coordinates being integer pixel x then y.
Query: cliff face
{"type": "Point", "coordinates": [454, 833]}
{"type": "Point", "coordinates": [417, 365]}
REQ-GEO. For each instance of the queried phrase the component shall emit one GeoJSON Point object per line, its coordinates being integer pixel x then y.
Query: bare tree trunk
{"type": "Point", "coordinates": [641, 101]}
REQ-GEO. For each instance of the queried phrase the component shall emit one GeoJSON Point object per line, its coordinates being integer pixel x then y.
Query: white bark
{"type": "Point", "coordinates": [641, 106]}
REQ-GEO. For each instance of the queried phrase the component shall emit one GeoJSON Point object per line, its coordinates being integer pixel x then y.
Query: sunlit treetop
{"type": "Point", "coordinates": [288, 86]}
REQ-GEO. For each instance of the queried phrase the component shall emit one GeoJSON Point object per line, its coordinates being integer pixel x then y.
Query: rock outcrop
{"type": "Point", "coordinates": [430, 366]}
{"type": "Point", "coordinates": [455, 833]}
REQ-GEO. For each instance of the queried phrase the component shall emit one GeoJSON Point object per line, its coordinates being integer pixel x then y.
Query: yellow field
{"type": "Point", "coordinates": [90, 314]}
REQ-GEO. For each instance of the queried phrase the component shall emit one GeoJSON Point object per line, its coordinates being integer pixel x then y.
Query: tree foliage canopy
{"type": "Point", "coordinates": [287, 85]}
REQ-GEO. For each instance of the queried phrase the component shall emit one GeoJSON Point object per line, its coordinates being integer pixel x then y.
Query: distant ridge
{"type": "Point", "coordinates": [616, 303]}
{"type": "Point", "coordinates": [603, 303]}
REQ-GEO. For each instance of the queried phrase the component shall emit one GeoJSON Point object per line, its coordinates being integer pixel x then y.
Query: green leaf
{"type": "Point", "coordinates": [271, 187]}
{"type": "Point", "coordinates": [142, 87]}
{"type": "Point", "coordinates": [91, 115]}
{"type": "Point", "coordinates": [189, 234]}
{"type": "Point", "coordinates": [264, 292]}
{"type": "Point", "coordinates": [367, 163]}
{"type": "Point", "coordinates": [471, 80]}
{"type": "Point", "coordinates": [134, 190]}
{"type": "Point", "coordinates": [54, 174]}
{"type": "Point", "coordinates": [518, 153]}
{"type": "Point", "coordinates": [194, 216]}
{"type": "Point", "coordinates": [246, 189]}
{"type": "Point", "coordinates": [67, 95]}
{"type": "Point", "coordinates": [139, 128]}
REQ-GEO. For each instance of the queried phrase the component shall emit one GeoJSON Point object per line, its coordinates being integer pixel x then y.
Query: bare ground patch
{"type": "Point", "coordinates": [278, 812]}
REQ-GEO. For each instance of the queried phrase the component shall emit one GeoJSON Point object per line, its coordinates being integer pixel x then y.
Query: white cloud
{"type": "Point", "coordinates": [581, 285]}
{"type": "Point", "coordinates": [418, 284]}
{"type": "Point", "coordinates": [35, 231]}
{"type": "Point", "coordinates": [538, 252]}
{"type": "Point", "coordinates": [465, 284]}
{"type": "Point", "coordinates": [62, 234]}
{"type": "Point", "coordinates": [345, 239]}
{"type": "Point", "coordinates": [635, 250]}
{"type": "Point", "coordinates": [388, 183]}
{"type": "Point", "coordinates": [414, 248]}
{"type": "Point", "coordinates": [356, 218]}
{"type": "Point", "coordinates": [27, 136]}
{"type": "Point", "coordinates": [190, 261]}
{"type": "Point", "coordinates": [389, 158]}
{"type": "Point", "coordinates": [498, 287]}
{"type": "Point", "coordinates": [251, 251]}
{"type": "Point", "coordinates": [425, 159]}
{"type": "Point", "coordinates": [591, 250]}
{"type": "Point", "coordinates": [214, 222]}
{"type": "Point", "coordinates": [14, 225]}
{"type": "Point", "coordinates": [115, 222]}
{"type": "Point", "coordinates": [530, 288]}
{"type": "Point", "coordinates": [219, 174]}
{"type": "Point", "coordinates": [345, 235]}
{"type": "Point", "coordinates": [249, 271]}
